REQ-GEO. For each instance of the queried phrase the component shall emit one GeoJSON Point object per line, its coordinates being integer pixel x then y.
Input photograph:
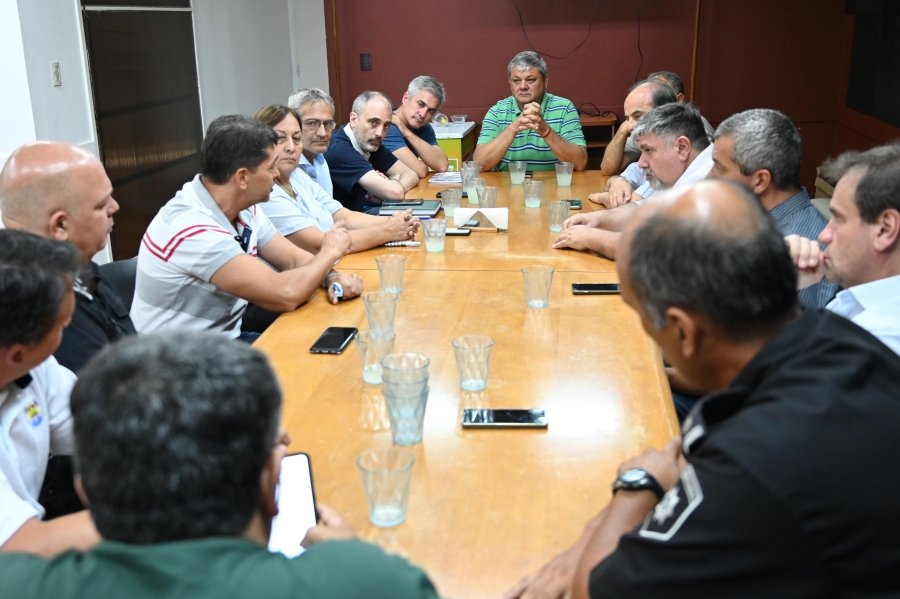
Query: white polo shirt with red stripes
{"type": "Point", "coordinates": [185, 244]}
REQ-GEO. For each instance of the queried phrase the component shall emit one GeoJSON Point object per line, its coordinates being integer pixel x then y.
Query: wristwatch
{"type": "Point", "coordinates": [638, 479]}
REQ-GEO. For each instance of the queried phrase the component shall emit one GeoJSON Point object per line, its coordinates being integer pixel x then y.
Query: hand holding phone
{"type": "Point", "coordinates": [296, 506]}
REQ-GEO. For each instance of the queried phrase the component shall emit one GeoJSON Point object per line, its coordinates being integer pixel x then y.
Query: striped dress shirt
{"type": "Point", "coordinates": [798, 216]}
{"type": "Point", "coordinates": [559, 113]}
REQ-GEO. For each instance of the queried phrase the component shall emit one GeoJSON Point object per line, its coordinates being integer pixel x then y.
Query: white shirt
{"type": "Point", "coordinates": [35, 421]}
{"type": "Point", "coordinates": [873, 306]}
{"type": "Point", "coordinates": [186, 243]}
{"type": "Point", "coordinates": [696, 171]}
{"type": "Point", "coordinates": [318, 172]}
{"type": "Point", "coordinates": [311, 208]}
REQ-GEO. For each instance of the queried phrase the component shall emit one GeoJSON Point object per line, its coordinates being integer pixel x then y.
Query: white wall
{"type": "Point", "coordinates": [16, 117]}
{"type": "Point", "coordinates": [243, 55]}
{"type": "Point", "coordinates": [51, 31]}
{"type": "Point", "coordinates": [308, 43]}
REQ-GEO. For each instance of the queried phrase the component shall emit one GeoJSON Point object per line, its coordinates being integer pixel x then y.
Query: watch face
{"type": "Point", "coordinates": [633, 475]}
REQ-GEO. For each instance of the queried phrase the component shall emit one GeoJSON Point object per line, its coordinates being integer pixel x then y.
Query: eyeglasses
{"type": "Point", "coordinates": [313, 125]}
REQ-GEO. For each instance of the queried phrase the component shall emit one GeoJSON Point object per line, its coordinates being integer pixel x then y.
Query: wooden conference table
{"type": "Point", "coordinates": [486, 507]}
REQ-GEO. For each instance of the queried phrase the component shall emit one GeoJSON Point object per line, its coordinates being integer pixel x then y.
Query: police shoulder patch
{"type": "Point", "coordinates": [674, 508]}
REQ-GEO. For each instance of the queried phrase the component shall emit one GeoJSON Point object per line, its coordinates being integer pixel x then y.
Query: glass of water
{"type": "Point", "coordinates": [557, 213]}
{"type": "Point", "coordinates": [517, 170]}
{"type": "Point", "coordinates": [386, 474]}
{"type": "Point", "coordinates": [564, 174]}
{"type": "Point", "coordinates": [537, 285]}
{"type": "Point", "coordinates": [533, 191]}
{"type": "Point", "coordinates": [434, 231]}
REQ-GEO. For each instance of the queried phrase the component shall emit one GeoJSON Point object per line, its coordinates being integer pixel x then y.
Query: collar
{"type": "Point", "coordinates": [349, 132]}
{"type": "Point", "coordinates": [544, 101]}
{"type": "Point", "coordinates": [698, 168]}
{"type": "Point", "coordinates": [23, 381]}
{"type": "Point", "coordinates": [318, 160]}
{"type": "Point", "coordinates": [798, 201]}
{"type": "Point", "coordinates": [197, 188]}
{"type": "Point", "coordinates": [871, 294]}
{"type": "Point", "coordinates": [720, 405]}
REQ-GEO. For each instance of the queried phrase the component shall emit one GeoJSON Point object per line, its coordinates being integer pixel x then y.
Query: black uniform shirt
{"type": "Point", "coordinates": [100, 317]}
{"type": "Point", "coordinates": [793, 484]}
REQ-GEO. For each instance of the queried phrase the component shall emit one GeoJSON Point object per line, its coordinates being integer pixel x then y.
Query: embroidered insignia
{"type": "Point", "coordinates": [33, 412]}
{"type": "Point", "coordinates": [674, 509]}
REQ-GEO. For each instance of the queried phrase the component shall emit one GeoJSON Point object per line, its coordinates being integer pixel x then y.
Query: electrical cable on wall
{"type": "Point", "coordinates": [640, 66]}
{"type": "Point", "coordinates": [596, 112]}
{"type": "Point", "coordinates": [590, 25]}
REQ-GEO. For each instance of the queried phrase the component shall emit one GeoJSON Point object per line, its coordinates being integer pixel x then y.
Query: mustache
{"type": "Point", "coordinates": [651, 177]}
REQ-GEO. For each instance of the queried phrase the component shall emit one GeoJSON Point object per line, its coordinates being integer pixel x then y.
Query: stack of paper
{"type": "Point", "coordinates": [450, 178]}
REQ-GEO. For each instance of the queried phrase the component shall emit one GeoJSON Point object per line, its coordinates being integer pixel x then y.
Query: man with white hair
{"type": "Point", "coordinates": [364, 173]}
{"type": "Point", "coordinates": [531, 125]}
{"type": "Point", "coordinates": [675, 151]}
{"type": "Point", "coordinates": [411, 137]}
{"type": "Point", "coordinates": [316, 110]}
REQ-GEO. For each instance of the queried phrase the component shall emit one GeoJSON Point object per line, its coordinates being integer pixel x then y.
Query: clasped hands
{"type": "Point", "coordinates": [531, 118]}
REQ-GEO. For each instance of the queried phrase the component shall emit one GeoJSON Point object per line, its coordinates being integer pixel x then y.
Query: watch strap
{"type": "Point", "coordinates": [647, 482]}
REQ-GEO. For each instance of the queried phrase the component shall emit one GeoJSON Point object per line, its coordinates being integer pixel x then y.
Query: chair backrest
{"type": "Point", "coordinates": [121, 275]}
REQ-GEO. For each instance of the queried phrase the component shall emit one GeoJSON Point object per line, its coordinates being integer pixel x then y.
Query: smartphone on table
{"type": "Point", "coordinates": [504, 418]}
{"type": "Point", "coordinates": [296, 506]}
{"type": "Point", "coordinates": [334, 340]}
{"type": "Point", "coordinates": [574, 204]}
{"type": "Point", "coordinates": [595, 288]}
{"type": "Point", "coordinates": [404, 203]}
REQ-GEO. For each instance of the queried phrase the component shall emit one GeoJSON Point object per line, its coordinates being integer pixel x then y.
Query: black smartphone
{"type": "Point", "coordinates": [439, 195]}
{"type": "Point", "coordinates": [409, 202]}
{"type": "Point", "coordinates": [574, 204]}
{"type": "Point", "coordinates": [296, 505]}
{"type": "Point", "coordinates": [456, 232]}
{"type": "Point", "coordinates": [595, 288]}
{"type": "Point", "coordinates": [516, 418]}
{"type": "Point", "coordinates": [333, 340]}
{"type": "Point", "coordinates": [529, 174]}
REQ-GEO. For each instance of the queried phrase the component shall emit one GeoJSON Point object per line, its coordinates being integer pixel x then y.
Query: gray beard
{"type": "Point", "coordinates": [655, 184]}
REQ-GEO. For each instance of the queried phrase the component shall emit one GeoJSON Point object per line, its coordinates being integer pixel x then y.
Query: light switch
{"type": "Point", "coordinates": [54, 70]}
{"type": "Point", "coordinates": [365, 62]}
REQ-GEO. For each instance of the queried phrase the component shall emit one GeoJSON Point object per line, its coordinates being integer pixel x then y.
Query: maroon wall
{"type": "Point", "coordinates": [791, 56]}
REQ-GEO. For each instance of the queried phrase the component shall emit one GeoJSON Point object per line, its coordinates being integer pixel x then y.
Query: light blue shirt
{"type": "Point", "coordinates": [317, 170]}
{"type": "Point", "coordinates": [311, 208]}
{"type": "Point", "coordinates": [873, 306]}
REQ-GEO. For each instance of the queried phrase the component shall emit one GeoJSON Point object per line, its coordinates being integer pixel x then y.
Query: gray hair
{"type": "Point", "coordinates": [363, 99]}
{"type": "Point", "coordinates": [428, 84]}
{"type": "Point", "coordinates": [527, 60]}
{"type": "Point", "coordinates": [308, 95]}
{"type": "Point", "coordinates": [742, 280]}
{"type": "Point", "coordinates": [765, 139]}
{"type": "Point", "coordinates": [672, 79]}
{"type": "Point", "coordinates": [671, 121]}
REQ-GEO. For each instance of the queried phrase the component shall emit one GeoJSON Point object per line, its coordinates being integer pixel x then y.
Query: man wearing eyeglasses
{"type": "Point", "coordinates": [411, 137]}
{"type": "Point", "coordinates": [316, 110]}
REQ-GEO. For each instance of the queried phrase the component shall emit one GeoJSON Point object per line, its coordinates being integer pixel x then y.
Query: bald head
{"type": "Point", "coordinates": [710, 249]}
{"type": "Point", "coordinates": [58, 190]}
{"type": "Point", "coordinates": [644, 96]}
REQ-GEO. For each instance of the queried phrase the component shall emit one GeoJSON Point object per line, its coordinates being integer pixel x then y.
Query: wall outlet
{"type": "Point", "coordinates": [54, 71]}
{"type": "Point", "coordinates": [365, 62]}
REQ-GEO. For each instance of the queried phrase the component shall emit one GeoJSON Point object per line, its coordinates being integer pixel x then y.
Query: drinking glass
{"type": "Point", "coordinates": [451, 199]}
{"type": "Point", "coordinates": [557, 213]}
{"type": "Point", "coordinates": [407, 415]}
{"type": "Point", "coordinates": [473, 360]}
{"type": "Point", "coordinates": [381, 310]}
{"type": "Point", "coordinates": [533, 191]}
{"type": "Point", "coordinates": [385, 475]}
{"type": "Point", "coordinates": [475, 186]}
{"type": "Point", "coordinates": [434, 231]}
{"type": "Point", "coordinates": [372, 350]}
{"type": "Point", "coordinates": [390, 271]}
{"type": "Point", "coordinates": [537, 285]}
{"type": "Point", "coordinates": [487, 198]}
{"type": "Point", "coordinates": [517, 170]}
{"type": "Point", "coordinates": [564, 174]}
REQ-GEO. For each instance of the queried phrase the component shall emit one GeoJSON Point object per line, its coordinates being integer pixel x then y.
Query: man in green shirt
{"type": "Point", "coordinates": [179, 452]}
{"type": "Point", "coordinates": [532, 124]}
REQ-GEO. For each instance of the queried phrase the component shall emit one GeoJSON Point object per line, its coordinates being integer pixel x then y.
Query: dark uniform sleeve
{"type": "Point", "coordinates": [710, 536]}
{"type": "Point", "coordinates": [347, 166]}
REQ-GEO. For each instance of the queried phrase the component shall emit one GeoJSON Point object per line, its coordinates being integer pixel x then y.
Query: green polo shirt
{"type": "Point", "coordinates": [214, 568]}
{"type": "Point", "coordinates": [559, 113]}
